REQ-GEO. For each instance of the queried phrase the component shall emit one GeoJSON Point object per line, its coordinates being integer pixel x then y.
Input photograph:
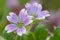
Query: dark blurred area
{"type": "Point", "coordinates": [53, 20]}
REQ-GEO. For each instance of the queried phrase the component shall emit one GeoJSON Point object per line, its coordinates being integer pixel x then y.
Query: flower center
{"type": "Point", "coordinates": [34, 14]}
{"type": "Point", "coordinates": [20, 25]}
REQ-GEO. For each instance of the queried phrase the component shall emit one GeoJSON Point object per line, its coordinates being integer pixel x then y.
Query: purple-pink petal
{"type": "Point", "coordinates": [10, 28]}
{"type": "Point", "coordinates": [33, 8]}
{"type": "Point", "coordinates": [42, 14]}
{"type": "Point", "coordinates": [45, 13]}
{"type": "Point", "coordinates": [30, 9]}
{"type": "Point", "coordinates": [12, 17]}
{"type": "Point", "coordinates": [21, 31]}
{"type": "Point", "coordinates": [27, 22]}
{"type": "Point", "coordinates": [40, 17]}
{"type": "Point", "coordinates": [25, 18]}
{"type": "Point", "coordinates": [37, 7]}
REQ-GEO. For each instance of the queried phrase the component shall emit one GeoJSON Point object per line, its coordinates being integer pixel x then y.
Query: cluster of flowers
{"type": "Point", "coordinates": [26, 16]}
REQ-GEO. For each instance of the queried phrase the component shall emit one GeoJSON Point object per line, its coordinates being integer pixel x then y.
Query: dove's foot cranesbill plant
{"type": "Point", "coordinates": [18, 23]}
{"type": "Point", "coordinates": [35, 10]}
{"type": "Point", "coordinates": [25, 17]}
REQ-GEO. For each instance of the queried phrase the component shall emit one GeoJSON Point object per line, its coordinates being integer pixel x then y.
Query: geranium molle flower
{"type": "Point", "coordinates": [35, 10]}
{"type": "Point", "coordinates": [18, 22]}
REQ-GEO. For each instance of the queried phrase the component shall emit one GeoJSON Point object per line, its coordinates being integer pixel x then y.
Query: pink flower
{"type": "Point", "coordinates": [18, 22]}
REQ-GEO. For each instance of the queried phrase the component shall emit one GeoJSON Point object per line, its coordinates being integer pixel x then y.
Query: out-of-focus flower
{"type": "Point", "coordinates": [12, 3]}
{"type": "Point", "coordinates": [55, 18]}
{"type": "Point", "coordinates": [35, 10]}
{"type": "Point", "coordinates": [53, 21]}
{"type": "Point", "coordinates": [18, 22]}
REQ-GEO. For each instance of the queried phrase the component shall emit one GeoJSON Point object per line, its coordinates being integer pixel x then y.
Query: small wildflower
{"type": "Point", "coordinates": [35, 10]}
{"type": "Point", "coordinates": [18, 22]}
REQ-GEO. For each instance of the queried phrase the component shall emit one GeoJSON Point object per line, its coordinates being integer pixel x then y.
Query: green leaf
{"type": "Point", "coordinates": [31, 36]}
{"type": "Point", "coordinates": [19, 37]}
{"type": "Point", "coordinates": [9, 36]}
{"type": "Point", "coordinates": [2, 6]}
{"type": "Point", "coordinates": [3, 20]}
{"type": "Point", "coordinates": [41, 33]}
{"type": "Point", "coordinates": [1, 38]}
{"type": "Point", "coordinates": [56, 34]}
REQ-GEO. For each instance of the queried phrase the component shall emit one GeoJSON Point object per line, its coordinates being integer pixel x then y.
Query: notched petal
{"type": "Point", "coordinates": [12, 17]}
{"type": "Point", "coordinates": [23, 30]}
{"type": "Point", "coordinates": [19, 32]}
{"type": "Point", "coordinates": [25, 17]}
{"type": "Point", "coordinates": [10, 28]}
{"type": "Point", "coordinates": [45, 13]}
